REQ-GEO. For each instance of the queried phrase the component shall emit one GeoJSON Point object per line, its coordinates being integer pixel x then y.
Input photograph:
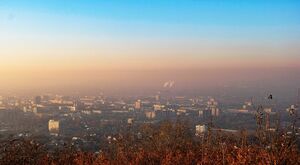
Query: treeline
{"type": "Point", "coordinates": [166, 143]}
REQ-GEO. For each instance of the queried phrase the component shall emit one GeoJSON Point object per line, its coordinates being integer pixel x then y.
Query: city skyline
{"type": "Point", "coordinates": [149, 82]}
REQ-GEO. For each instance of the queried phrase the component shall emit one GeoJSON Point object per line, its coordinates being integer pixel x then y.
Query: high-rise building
{"type": "Point", "coordinates": [200, 129]}
{"type": "Point", "coordinates": [215, 111]}
{"type": "Point", "coordinates": [53, 126]}
{"type": "Point", "coordinates": [72, 108]}
{"type": "Point", "coordinates": [157, 107]}
{"type": "Point", "coordinates": [212, 106]}
{"type": "Point", "coordinates": [150, 115]}
{"type": "Point", "coordinates": [130, 120]}
{"type": "Point", "coordinates": [138, 105]}
{"type": "Point", "coordinates": [200, 113]}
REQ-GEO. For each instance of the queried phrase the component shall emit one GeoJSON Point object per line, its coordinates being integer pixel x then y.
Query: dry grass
{"type": "Point", "coordinates": [167, 144]}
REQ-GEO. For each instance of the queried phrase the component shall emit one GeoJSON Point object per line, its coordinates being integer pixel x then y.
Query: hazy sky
{"type": "Point", "coordinates": [62, 43]}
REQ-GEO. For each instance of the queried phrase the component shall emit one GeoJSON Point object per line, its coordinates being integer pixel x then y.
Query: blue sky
{"type": "Point", "coordinates": [213, 12]}
{"type": "Point", "coordinates": [184, 17]}
{"type": "Point", "coordinates": [151, 24]}
{"type": "Point", "coordinates": [47, 42]}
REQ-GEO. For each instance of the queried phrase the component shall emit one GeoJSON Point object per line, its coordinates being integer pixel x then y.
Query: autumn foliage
{"type": "Point", "coordinates": [167, 143]}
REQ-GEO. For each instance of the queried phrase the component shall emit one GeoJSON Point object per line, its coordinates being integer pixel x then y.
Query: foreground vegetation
{"type": "Point", "coordinates": [166, 143]}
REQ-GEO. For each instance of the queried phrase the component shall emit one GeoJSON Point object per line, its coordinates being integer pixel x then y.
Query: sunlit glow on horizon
{"type": "Point", "coordinates": [52, 40]}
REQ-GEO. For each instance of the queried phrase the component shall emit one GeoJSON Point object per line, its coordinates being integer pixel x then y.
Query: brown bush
{"type": "Point", "coordinates": [164, 144]}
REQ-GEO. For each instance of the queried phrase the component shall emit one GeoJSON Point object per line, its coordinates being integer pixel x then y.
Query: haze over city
{"type": "Point", "coordinates": [138, 45]}
{"type": "Point", "coordinates": [171, 82]}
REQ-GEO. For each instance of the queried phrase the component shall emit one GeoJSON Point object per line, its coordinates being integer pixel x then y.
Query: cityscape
{"type": "Point", "coordinates": [138, 82]}
{"type": "Point", "coordinates": [83, 120]}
